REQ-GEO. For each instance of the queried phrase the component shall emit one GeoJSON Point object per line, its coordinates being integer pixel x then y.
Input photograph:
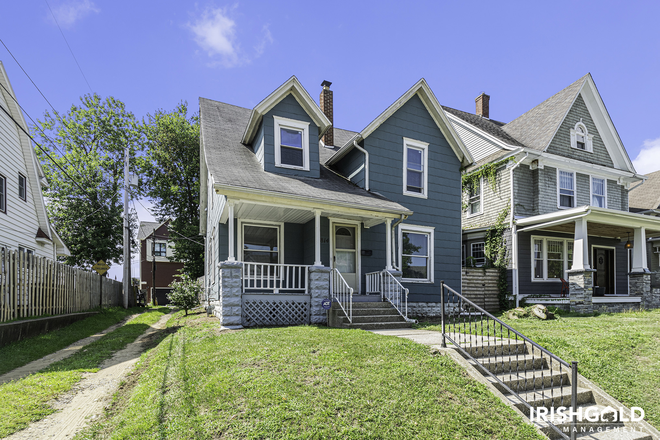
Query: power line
{"type": "Point", "coordinates": [70, 50]}
{"type": "Point", "coordinates": [170, 230]}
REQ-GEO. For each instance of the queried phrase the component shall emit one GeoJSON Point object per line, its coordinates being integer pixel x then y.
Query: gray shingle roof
{"type": "Point", "coordinates": [490, 158]}
{"type": "Point", "coordinates": [146, 228]}
{"type": "Point", "coordinates": [536, 127]}
{"type": "Point", "coordinates": [647, 195]}
{"type": "Point", "coordinates": [233, 164]}
{"type": "Point", "coordinates": [341, 137]}
{"type": "Point", "coordinates": [490, 126]}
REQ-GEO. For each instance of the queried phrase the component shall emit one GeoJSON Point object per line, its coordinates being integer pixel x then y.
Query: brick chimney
{"type": "Point", "coordinates": [483, 105]}
{"type": "Point", "coordinates": [326, 107]}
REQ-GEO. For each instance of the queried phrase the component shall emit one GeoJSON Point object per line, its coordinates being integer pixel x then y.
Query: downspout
{"type": "Point", "coordinates": [514, 236]}
{"type": "Point", "coordinates": [403, 217]}
{"type": "Point", "coordinates": [366, 164]}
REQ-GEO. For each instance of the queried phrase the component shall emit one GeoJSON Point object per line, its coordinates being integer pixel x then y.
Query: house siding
{"type": "Point", "coordinates": [289, 108]}
{"type": "Point", "coordinates": [546, 179]}
{"type": "Point", "coordinates": [258, 145]}
{"type": "Point", "coordinates": [525, 191]}
{"type": "Point", "coordinates": [561, 143]}
{"type": "Point", "coordinates": [349, 164]}
{"type": "Point", "coordinates": [494, 201]}
{"type": "Point", "coordinates": [442, 208]}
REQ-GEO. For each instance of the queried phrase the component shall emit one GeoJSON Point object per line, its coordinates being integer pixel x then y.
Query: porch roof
{"type": "Point", "coordinates": [600, 222]}
{"type": "Point", "coordinates": [236, 170]}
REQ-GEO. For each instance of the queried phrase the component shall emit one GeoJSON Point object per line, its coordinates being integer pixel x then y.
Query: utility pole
{"type": "Point", "coordinates": [153, 268]}
{"type": "Point", "coordinates": [127, 236]}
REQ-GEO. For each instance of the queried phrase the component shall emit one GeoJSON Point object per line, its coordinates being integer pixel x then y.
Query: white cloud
{"type": "Point", "coordinates": [71, 11]}
{"type": "Point", "coordinates": [215, 31]}
{"type": "Point", "coordinates": [648, 159]}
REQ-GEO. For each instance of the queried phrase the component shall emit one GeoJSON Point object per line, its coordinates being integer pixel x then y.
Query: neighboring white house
{"type": "Point", "coordinates": [24, 223]}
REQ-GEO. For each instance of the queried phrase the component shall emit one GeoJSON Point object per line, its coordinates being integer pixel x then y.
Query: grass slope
{"type": "Point", "coordinates": [301, 382]}
{"type": "Point", "coordinates": [620, 352]}
{"type": "Point", "coordinates": [26, 400]}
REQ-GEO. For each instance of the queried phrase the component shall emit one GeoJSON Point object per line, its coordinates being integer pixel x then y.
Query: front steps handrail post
{"type": "Point", "coordinates": [342, 293]}
{"type": "Point", "coordinates": [394, 293]}
{"type": "Point", "coordinates": [496, 348]}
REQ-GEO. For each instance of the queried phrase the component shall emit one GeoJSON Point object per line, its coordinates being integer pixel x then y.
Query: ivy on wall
{"type": "Point", "coordinates": [488, 172]}
{"type": "Point", "coordinates": [495, 251]}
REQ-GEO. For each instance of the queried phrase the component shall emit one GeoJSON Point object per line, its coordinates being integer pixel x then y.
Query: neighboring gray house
{"type": "Point", "coordinates": [295, 211]}
{"type": "Point", "coordinates": [563, 175]}
{"type": "Point", "coordinates": [645, 199]}
{"type": "Point", "coordinates": [24, 223]}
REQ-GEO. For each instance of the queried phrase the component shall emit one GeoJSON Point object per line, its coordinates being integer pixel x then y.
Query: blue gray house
{"type": "Point", "coordinates": [296, 211]}
{"type": "Point", "coordinates": [560, 178]}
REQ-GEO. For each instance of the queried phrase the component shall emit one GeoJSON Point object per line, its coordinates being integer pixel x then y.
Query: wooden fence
{"type": "Point", "coordinates": [480, 286]}
{"type": "Point", "coordinates": [38, 286]}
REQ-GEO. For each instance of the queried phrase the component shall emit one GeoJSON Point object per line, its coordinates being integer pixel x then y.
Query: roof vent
{"type": "Point", "coordinates": [483, 104]}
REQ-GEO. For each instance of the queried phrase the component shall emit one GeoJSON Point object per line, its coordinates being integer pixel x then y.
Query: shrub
{"type": "Point", "coordinates": [185, 292]}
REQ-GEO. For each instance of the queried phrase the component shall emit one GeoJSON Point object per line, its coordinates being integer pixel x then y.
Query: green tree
{"type": "Point", "coordinates": [185, 292]}
{"type": "Point", "coordinates": [85, 204]}
{"type": "Point", "coordinates": [170, 169]}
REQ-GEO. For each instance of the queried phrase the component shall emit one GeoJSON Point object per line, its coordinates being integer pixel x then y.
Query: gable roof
{"type": "Point", "coordinates": [146, 228]}
{"type": "Point", "coordinates": [489, 126]}
{"type": "Point", "coordinates": [647, 195]}
{"type": "Point", "coordinates": [424, 92]}
{"type": "Point", "coordinates": [291, 86]}
{"type": "Point", "coordinates": [233, 165]}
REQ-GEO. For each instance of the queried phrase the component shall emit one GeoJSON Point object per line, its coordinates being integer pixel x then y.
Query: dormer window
{"type": "Point", "coordinates": [580, 137]}
{"type": "Point", "coordinates": [291, 143]}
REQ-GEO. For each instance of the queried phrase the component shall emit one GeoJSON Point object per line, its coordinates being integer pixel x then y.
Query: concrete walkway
{"type": "Point", "coordinates": [434, 338]}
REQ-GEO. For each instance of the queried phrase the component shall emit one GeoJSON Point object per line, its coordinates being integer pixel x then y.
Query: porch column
{"type": "Point", "coordinates": [231, 238]}
{"type": "Point", "coordinates": [639, 251]}
{"type": "Point", "coordinates": [388, 244]}
{"type": "Point", "coordinates": [581, 246]}
{"type": "Point", "coordinates": [317, 238]}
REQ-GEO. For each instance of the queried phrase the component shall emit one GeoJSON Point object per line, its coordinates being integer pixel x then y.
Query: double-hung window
{"type": "Point", "coordinates": [3, 194]}
{"type": "Point", "coordinates": [22, 187]}
{"type": "Point", "coordinates": [599, 192]}
{"type": "Point", "coordinates": [291, 143]}
{"type": "Point", "coordinates": [566, 189]}
{"type": "Point", "coordinates": [580, 137]}
{"type": "Point", "coordinates": [160, 249]}
{"type": "Point", "coordinates": [551, 258]}
{"type": "Point", "coordinates": [261, 244]}
{"type": "Point", "coordinates": [475, 201]}
{"type": "Point", "coordinates": [478, 252]}
{"type": "Point", "coordinates": [416, 253]}
{"type": "Point", "coordinates": [415, 168]}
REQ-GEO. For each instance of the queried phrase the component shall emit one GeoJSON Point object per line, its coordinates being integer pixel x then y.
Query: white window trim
{"type": "Point", "coordinates": [591, 189]}
{"type": "Point", "coordinates": [545, 239]}
{"type": "Point", "coordinates": [430, 230]}
{"type": "Point", "coordinates": [280, 237]}
{"type": "Point", "coordinates": [418, 145]}
{"type": "Point", "coordinates": [472, 253]}
{"type": "Point", "coordinates": [574, 189]}
{"type": "Point", "coordinates": [481, 200]}
{"type": "Point", "coordinates": [281, 122]}
{"type": "Point", "coordinates": [588, 138]}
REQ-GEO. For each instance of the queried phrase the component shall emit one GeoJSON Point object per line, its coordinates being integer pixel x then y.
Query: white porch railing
{"type": "Point", "coordinates": [373, 282]}
{"type": "Point", "coordinates": [394, 293]}
{"type": "Point", "coordinates": [342, 293]}
{"type": "Point", "coordinates": [275, 277]}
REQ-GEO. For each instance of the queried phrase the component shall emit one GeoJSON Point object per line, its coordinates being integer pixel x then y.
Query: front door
{"type": "Point", "coordinates": [603, 262]}
{"type": "Point", "coordinates": [345, 254]}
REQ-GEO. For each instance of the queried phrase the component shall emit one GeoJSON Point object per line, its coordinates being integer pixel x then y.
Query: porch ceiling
{"type": "Point", "coordinates": [596, 229]}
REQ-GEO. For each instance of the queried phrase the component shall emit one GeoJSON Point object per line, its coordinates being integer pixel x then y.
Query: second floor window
{"type": "Point", "coordinates": [160, 249]}
{"type": "Point", "coordinates": [291, 144]}
{"type": "Point", "coordinates": [474, 199]}
{"type": "Point", "coordinates": [580, 137]}
{"type": "Point", "coordinates": [566, 189]}
{"type": "Point", "coordinates": [22, 190]}
{"type": "Point", "coordinates": [415, 163]}
{"type": "Point", "coordinates": [598, 192]}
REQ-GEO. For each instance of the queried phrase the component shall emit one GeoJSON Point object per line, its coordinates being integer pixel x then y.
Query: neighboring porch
{"type": "Point", "coordinates": [586, 259]}
{"type": "Point", "coordinates": [278, 263]}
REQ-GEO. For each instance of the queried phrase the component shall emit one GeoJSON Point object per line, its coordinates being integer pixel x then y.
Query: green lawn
{"type": "Point", "coordinates": [26, 400]}
{"type": "Point", "coordinates": [300, 382]}
{"type": "Point", "coordinates": [22, 352]}
{"type": "Point", "coordinates": [620, 352]}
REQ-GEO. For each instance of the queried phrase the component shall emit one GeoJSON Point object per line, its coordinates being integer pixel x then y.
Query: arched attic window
{"type": "Point", "coordinates": [580, 137]}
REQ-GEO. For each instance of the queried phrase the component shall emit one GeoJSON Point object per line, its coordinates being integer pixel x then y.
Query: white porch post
{"type": "Point", "coordinates": [388, 244]}
{"type": "Point", "coordinates": [639, 251]}
{"type": "Point", "coordinates": [317, 238]}
{"type": "Point", "coordinates": [581, 246]}
{"type": "Point", "coordinates": [231, 239]}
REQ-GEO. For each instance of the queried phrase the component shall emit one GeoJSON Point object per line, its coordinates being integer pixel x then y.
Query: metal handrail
{"type": "Point", "coordinates": [342, 293]}
{"type": "Point", "coordinates": [473, 321]}
{"type": "Point", "coordinates": [394, 297]}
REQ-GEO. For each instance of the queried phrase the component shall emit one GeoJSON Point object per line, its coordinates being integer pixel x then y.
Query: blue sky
{"type": "Point", "coordinates": [152, 55]}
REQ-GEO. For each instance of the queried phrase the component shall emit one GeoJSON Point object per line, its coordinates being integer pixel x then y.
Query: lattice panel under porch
{"type": "Point", "coordinates": [275, 311]}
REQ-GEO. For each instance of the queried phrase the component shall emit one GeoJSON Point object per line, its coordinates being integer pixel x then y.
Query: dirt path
{"type": "Point", "coordinates": [88, 398]}
{"type": "Point", "coordinates": [40, 364]}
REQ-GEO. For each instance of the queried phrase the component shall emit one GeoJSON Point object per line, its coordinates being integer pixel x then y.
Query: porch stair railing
{"type": "Point", "coordinates": [275, 277]}
{"type": "Point", "coordinates": [531, 375]}
{"type": "Point", "coordinates": [393, 292]}
{"type": "Point", "coordinates": [342, 293]}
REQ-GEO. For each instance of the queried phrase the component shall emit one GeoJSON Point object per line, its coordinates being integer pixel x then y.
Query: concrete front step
{"type": "Point", "coordinates": [563, 423]}
{"type": "Point", "coordinates": [492, 348]}
{"type": "Point", "coordinates": [531, 379]}
{"type": "Point", "coordinates": [358, 319]}
{"type": "Point", "coordinates": [510, 363]}
{"type": "Point", "coordinates": [378, 325]}
{"type": "Point", "coordinates": [556, 396]}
